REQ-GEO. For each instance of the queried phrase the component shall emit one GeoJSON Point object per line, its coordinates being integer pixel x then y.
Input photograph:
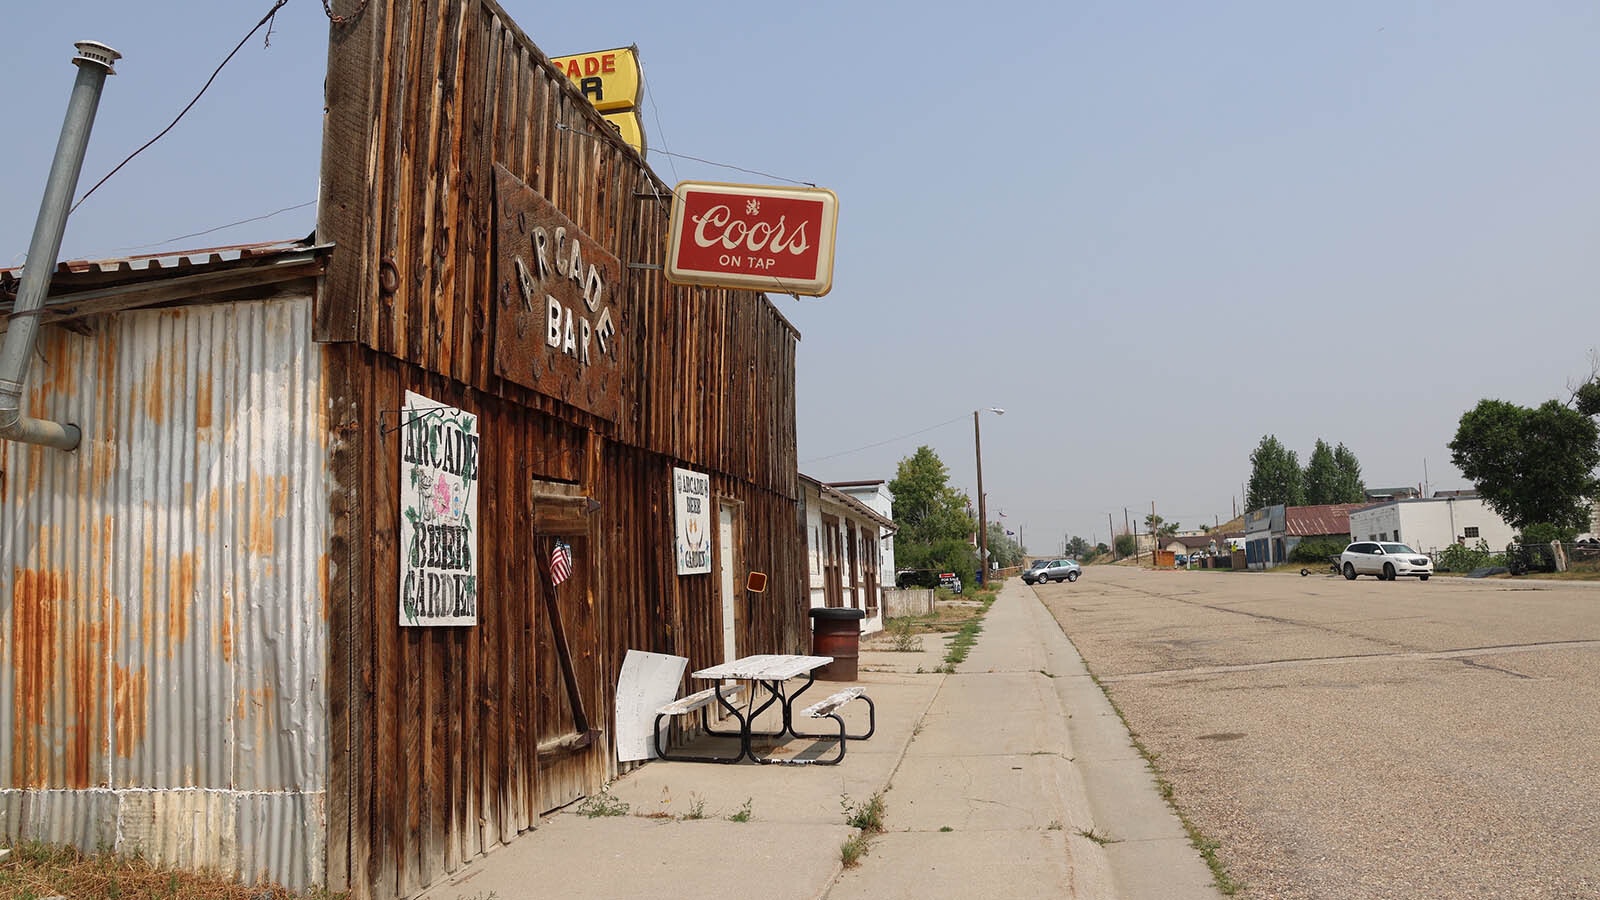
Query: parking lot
{"type": "Point", "coordinates": [1362, 739]}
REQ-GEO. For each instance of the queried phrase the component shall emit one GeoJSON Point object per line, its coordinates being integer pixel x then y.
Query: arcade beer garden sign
{"type": "Point", "coordinates": [438, 514]}
{"type": "Point", "coordinates": [692, 495]}
{"type": "Point", "coordinates": [558, 294]}
{"type": "Point", "coordinates": [752, 237]}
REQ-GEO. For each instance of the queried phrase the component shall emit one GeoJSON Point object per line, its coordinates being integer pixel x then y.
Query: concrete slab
{"type": "Point", "coordinates": [1166, 869]}
{"type": "Point", "coordinates": [580, 858]}
{"type": "Point", "coordinates": [1001, 713]}
{"type": "Point", "coordinates": [981, 793]}
{"type": "Point", "coordinates": [960, 865]}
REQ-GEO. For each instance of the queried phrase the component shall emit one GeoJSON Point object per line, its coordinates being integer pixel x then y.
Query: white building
{"type": "Point", "coordinates": [877, 496]}
{"type": "Point", "coordinates": [1431, 524]}
{"type": "Point", "coordinates": [844, 545]}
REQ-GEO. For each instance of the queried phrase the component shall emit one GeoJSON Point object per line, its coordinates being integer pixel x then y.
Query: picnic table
{"type": "Point", "coordinates": [769, 671]}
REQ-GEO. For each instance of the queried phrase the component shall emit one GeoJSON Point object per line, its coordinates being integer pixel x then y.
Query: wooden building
{"type": "Point", "coordinates": [450, 141]}
{"type": "Point", "coordinates": [492, 255]}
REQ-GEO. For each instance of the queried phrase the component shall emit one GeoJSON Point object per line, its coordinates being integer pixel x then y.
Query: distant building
{"type": "Point", "coordinates": [1433, 523]}
{"type": "Point", "coordinates": [1272, 532]}
{"type": "Point", "coordinates": [844, 541]}
{"type": "Point", "coordinates": [877, 496]}
{"type": "Point", "coordinates": [1384, 495]}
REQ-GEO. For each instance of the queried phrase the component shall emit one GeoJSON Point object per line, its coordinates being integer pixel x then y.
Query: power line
{"type": "Point", "coordinates": [184, 237]}
{"type": "Point", "coordinates": [881, 443]}
{"type": "Point", "coordinates": [279, 4]}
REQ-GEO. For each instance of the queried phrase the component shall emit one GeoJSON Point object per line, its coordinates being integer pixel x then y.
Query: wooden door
{"type": "Point", "coordinates": [728, 567]}
{"type": "Point", "coordinates": [853, 537]}
{"type": "Point", "coordinates": [833, 585]}
{"type": "Point", "coordinates": [568, 703]}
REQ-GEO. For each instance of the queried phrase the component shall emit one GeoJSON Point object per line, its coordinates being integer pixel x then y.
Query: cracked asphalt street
{"type": "Point", "coordinates": [1362, 739]}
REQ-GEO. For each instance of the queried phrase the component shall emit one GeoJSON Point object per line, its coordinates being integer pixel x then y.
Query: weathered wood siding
{"type": "Point", "coordinates": [436, 732]}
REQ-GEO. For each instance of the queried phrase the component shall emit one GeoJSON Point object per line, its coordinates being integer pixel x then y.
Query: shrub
{"type": "Point", "coordinates": [1461, 558]}
{"type": "Point", "coordinates": [1317, 550]}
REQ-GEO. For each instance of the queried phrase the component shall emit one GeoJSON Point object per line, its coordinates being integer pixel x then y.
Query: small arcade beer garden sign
{"type": "Point", "coordinates": [438, 514]}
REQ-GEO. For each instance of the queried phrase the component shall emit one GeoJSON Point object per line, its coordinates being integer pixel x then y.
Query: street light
{"type": "Point", "coordinates": [983, 512]}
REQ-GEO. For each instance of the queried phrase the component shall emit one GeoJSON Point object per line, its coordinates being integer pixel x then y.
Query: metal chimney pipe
{"type": "Point", "coordinates": [94, 61]}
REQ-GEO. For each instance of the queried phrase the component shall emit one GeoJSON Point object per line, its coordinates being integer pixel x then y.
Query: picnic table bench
{"type": "Point", "coordinates": [770, 671]}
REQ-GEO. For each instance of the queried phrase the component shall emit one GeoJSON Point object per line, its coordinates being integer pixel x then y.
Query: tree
{"type": "Point", "coordinates": [1275, 476]}
{"type": "Point", "coordinates": [1126, 544]}
{"type": "Point", "coordinates": [1322, 475]}
{"type": "Point", "coordinates": [1003, 549]}
{"type": "Point", "coordinates": [934, 527]}
{"type": "Point", "coordinates": [1535, 467]}
{"type": "Point", "coordinates": [1077, 547]}
{"type": "Point", "coordinates": [1349, 488]}
{"type": "Point", "coordinates": [1160, 527]}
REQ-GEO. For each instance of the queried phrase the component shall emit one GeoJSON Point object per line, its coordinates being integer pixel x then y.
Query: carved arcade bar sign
{"type": "Point", "coordinates": [558, 294]}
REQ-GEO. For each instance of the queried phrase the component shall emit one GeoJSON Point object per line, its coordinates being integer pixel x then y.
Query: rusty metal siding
{"type": "Point", "coordinates": [161, 589]}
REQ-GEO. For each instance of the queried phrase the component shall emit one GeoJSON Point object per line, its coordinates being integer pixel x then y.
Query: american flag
{"type": "Point", "coordinates": [560, 563]}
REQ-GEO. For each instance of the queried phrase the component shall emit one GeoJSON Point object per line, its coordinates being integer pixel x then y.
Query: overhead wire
{"type": "Point", "coordinates": [184, 237]}
{"type": "Point", "coordinates": [887, 441]}
{"type": "Point", "coordinates": [271, 13]}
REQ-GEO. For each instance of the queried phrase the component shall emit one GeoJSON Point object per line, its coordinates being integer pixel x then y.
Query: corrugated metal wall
{"type": "Point", "coordinates": [162, 668]}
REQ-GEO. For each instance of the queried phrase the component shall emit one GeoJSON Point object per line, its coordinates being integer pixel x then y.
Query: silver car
{"type": "Point", "coordinates": [1385, 560]}
{"type": "Point", "coordinates": [1058, 570]}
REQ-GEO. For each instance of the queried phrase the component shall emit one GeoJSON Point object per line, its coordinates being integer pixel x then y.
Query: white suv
{"type": "Point", "coordinates": [1385, 560]}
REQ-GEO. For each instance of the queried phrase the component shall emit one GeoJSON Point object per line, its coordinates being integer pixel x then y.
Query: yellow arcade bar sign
{"type": "Point", "coordinates": [609, 79]}
{"type": "Point", "coordinates": [628, 124]}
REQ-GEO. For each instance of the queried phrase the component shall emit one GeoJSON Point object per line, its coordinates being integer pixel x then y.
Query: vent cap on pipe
{"type": "Point", "coordinates": [97, 53]}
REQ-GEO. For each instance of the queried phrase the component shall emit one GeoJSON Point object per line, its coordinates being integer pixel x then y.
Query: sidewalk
{"type": "Point", "coordinates": [991, 780]}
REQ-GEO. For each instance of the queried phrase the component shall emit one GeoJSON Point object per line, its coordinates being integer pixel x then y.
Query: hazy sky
{"type": "Point", "coordinates": [1151, 232]}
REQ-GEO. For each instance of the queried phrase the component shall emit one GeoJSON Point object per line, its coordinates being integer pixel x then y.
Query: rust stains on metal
{"type": "Point", "coordinates": [181, 578]}
{"type": "Point", "coordinates": [36, 617]}
{"type": "Point", "coordinates": [130, 691]}
{"type": "Point", "coordinates": [35, 463]}
{"type": "Point", "coordinates": [225, 628]}
{"type": "Point", "coordinates": [268, 499]}
{"type": "Point", "coordinates": [86, 674]}
{"type": "Point", "coordinates": [155, 392]}
{"type": "Point", "coordinates": [102, 464]}
{"type": "Point", "coordinates": [36, 598]}
{"type": "Point", "coordinates": [202, 403]}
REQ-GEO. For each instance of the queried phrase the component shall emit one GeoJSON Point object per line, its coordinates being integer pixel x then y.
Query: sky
{"type": "Point", "coordinates": [1151, 232]}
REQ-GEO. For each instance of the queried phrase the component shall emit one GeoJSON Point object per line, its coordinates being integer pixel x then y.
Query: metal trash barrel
{"type": "Point", "coordinates": [836, 632]}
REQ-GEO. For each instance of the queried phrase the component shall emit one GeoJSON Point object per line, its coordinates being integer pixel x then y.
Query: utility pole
{"type": "Point", "coordinates": [1127, 526]}
{"type": "Point", "coordinates": [1153, 534]}
{"type": "Point", "coordinates": [983, 525]}
{"type": "Point", "coordinates": [1111, 529]}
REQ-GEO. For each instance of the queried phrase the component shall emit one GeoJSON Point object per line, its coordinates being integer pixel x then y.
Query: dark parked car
{"type": "Point", "coordinates": [916, 578]}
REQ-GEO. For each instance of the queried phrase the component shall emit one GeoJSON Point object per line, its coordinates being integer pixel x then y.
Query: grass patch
{"type": "Point", "coordinates": [867, 816]}
{"type": "Point", "coordinates": [961, 645]}
{"type": "Point", "coordinates": [1096, 836]}
{"type": "Point", "coordinates": [697, 808]}
{"type": "Point", "coordinates": [1226, 884]}
{"type": "Point", "coordinates": [851, 851]}
{"type": "Point", "coordinates": [601, 806]}
{"type": "Point", "coordinates": [867, 819]}
{"type": "Point", "coordinates": [35, 870]}
{"type": "Point", "coordinates": [946, 828]}
{"type": "Point", "coordinates": [903, 637]}
{"type": "Point", "coordinates": [744, 814]}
